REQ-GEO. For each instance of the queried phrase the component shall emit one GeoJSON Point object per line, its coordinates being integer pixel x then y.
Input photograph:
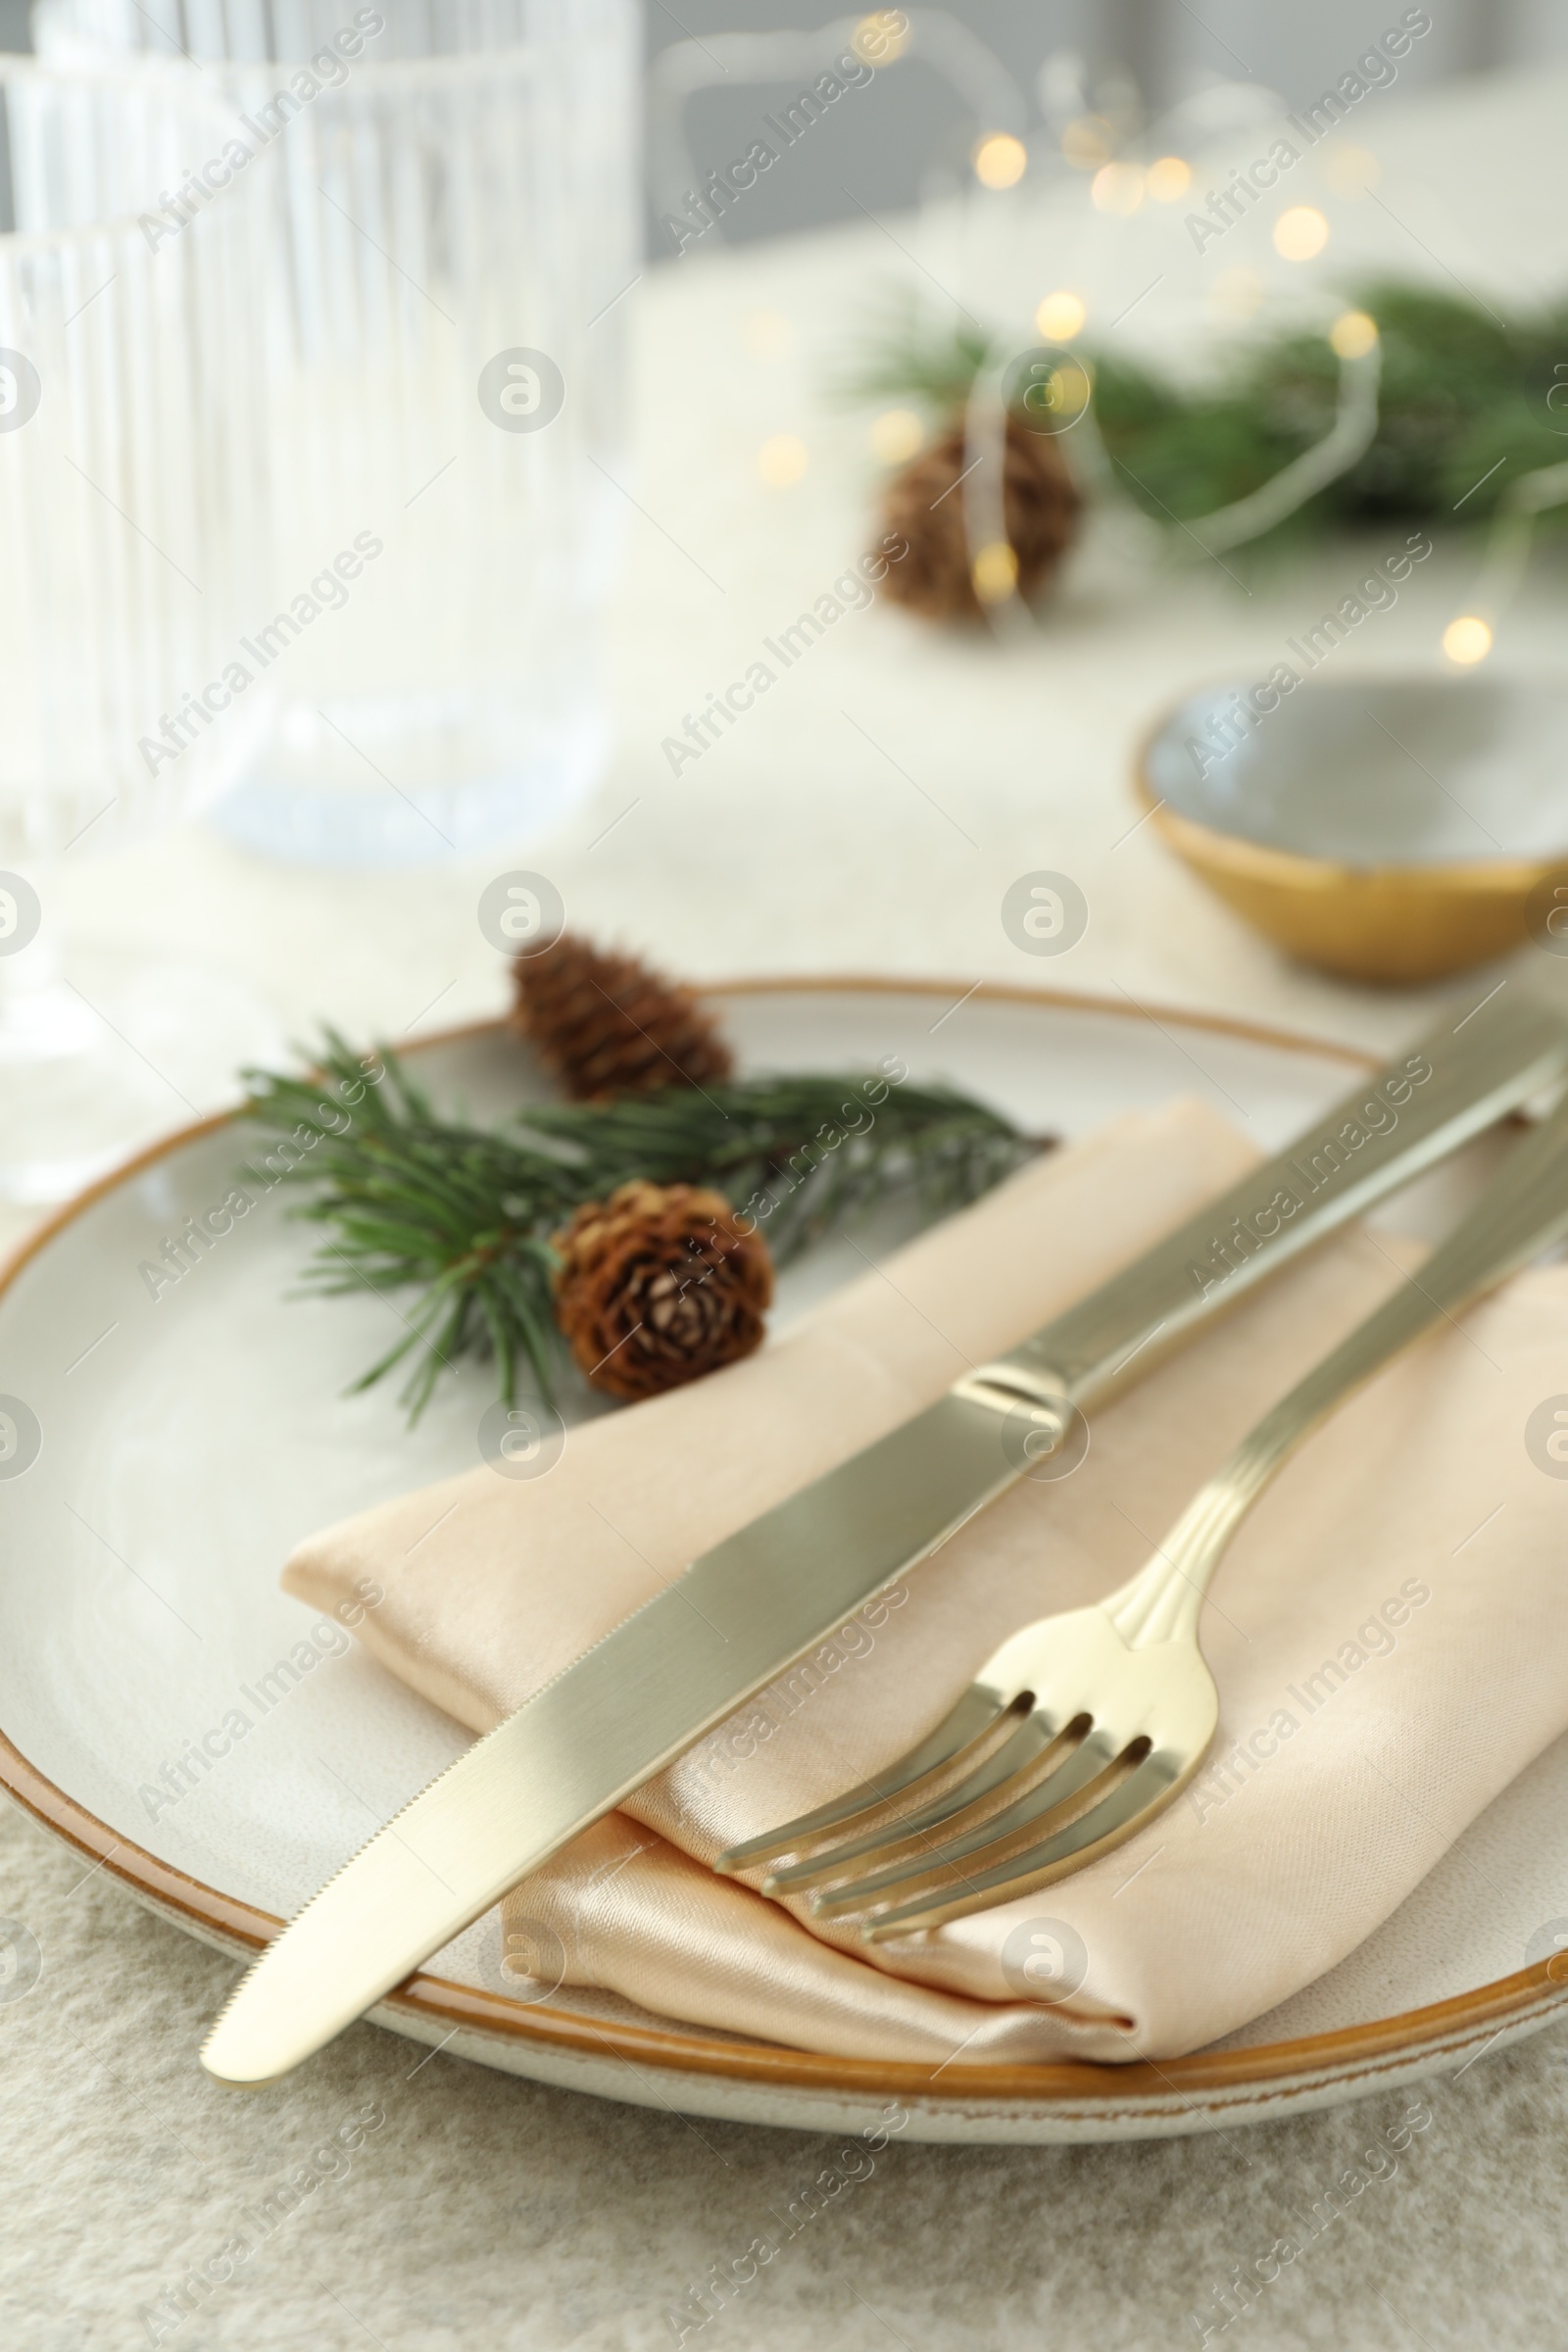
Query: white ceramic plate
{"type": "Point", "coordinates": [188, 1441]}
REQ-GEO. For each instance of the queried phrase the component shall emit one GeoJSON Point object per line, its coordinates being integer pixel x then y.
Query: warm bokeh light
{"type": "Point", "coordinates": [1001, 161]}
{"type": "Point", "coordinates": [1354, 334]}
{"type": "Point", "coordinates": [1118, 187]}
{"type": "Point", "coordinates": [1067, 393]}
{"type": "Point", "coordinates": [768, 334]}
{"type": "Point", "coordinates": [1059, 317]}
{"type": "Point", "coordinates": [996, 572]}
{"type": "Point", "coordinates": [882, 36]}
{"type": "Point", "coordinates": [1467, 639]}
{"type": "Point", "coordinates": [1088, 141]}
{"type": "Point", "coordinates": [782, 461]}
{"type": "Point", "coordinates": [1301, 234]}
{"type": "Point", "coordinates": [896, 435]}
{"type": "Point", "coordinates": [1237, 294]}
{"type": "Point", "coordinates": [1168, 180]}
{"type": "Point", "coordinates": [1351, 170]}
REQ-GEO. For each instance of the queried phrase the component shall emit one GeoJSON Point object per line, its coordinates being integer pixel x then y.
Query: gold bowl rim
{"type": "Point", "coordinates": [1295, 868]}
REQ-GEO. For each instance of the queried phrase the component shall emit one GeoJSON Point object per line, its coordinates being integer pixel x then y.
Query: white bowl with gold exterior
{"type": "Point", "coordinates": [1390, 830]}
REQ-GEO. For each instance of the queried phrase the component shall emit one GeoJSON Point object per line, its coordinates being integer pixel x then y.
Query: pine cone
{"type": "Point", "coordinates": [659, 1285]}
{"type": "Point", "coordinates": [608, 1025]}
{"type": "Point", "coordinates": [1040, 504]}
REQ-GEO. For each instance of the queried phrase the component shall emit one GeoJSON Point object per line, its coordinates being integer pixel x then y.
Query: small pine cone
{"type": "Point", "coordinates": [1041, 505]}
{"type": "Point", "coordinates": [608, 1025]}
{"type": "Point", "coordinates": [659, 1285]}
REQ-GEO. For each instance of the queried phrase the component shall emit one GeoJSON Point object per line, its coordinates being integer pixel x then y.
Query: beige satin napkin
{"type": "Point", "coordinates": [1389, 1631]}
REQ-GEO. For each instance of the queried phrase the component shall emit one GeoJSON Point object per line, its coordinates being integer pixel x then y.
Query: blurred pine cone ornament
{"type": "Point", "coordinates": [606, 1025]}
{"type": "Point", "coordinates": [924, 506]}
{"type": "Point", "coordinates": [659, 1285]}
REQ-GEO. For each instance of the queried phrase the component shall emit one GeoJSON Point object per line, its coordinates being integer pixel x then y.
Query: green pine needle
{"type": "Point", "coordinates": [906, 357]}
{"type": "Point", "coordinates": [464, 1215]}
{"type": "Point", "coordinates": [1461, 389]}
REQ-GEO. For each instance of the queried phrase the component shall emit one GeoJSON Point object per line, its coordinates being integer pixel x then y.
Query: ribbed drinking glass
{"type": "Point", "coordinates": [128, 496]}
{"type": "Point", "coordinates": [452, 222]}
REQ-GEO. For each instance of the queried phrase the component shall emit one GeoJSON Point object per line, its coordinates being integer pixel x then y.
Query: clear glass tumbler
{"type": "Point", "coordinates": [452, 208]}
{"type": "Point", "coordinates": [130, 500]}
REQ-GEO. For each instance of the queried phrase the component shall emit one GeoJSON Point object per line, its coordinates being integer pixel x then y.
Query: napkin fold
{"type": "Point", "coordinates": [1387, 1631]}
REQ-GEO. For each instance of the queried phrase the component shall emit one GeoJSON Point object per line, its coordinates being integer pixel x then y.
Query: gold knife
{"type": "Point", "coordinates": [752, 1606]}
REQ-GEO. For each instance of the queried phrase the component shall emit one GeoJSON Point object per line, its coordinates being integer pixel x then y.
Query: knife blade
{"type": "Point", "coordinates": [749, 1607]}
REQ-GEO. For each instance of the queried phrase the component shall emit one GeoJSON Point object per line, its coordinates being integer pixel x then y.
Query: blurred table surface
{"type": "Point", "coordinates": [867, 816]}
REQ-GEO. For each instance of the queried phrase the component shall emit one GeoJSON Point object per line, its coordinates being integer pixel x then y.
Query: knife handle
{"type": "Point", "coordinates": [1455, 1082]}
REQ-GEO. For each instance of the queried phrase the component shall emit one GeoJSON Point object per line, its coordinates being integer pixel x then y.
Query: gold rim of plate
{"type": "Point", "coordinates": [1253, 2080]}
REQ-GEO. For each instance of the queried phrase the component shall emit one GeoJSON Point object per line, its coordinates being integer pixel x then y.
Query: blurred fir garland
{"type": "Point", "coordinates": [1463, 409]}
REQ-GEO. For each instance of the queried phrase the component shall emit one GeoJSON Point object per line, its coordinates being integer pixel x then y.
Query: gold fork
{"type": "Point", "coordinates": [1084, 1726]}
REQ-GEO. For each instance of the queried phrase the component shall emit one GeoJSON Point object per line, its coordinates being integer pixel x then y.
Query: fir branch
{"type": "Point", "coordinates": [1460, 390]}
{"type": "Point", "coordinates": [906, 356]}
{"type": "Point", "coordinates": [465, 1214]}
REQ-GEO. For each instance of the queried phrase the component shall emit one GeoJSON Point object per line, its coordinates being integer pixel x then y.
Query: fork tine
{"type": "Point", "coordinates": [1063, 1795]}
{"type": "Point", "coordinates": [1146, 1792]}
{"type": "Point", "coordinates": [1035, 1743]}
{"type": "Point", "coordinates": [962, 1729]}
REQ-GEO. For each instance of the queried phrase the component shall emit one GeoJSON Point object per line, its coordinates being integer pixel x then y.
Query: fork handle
{"type": "Point", "coordinates": [1455, 1082]}
{"type": "Point", "coordinates": [1520, 1213]}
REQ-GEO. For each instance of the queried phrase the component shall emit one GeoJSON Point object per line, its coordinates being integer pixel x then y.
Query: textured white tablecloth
{"type": "Point", "coordinates": [485, 2212]}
